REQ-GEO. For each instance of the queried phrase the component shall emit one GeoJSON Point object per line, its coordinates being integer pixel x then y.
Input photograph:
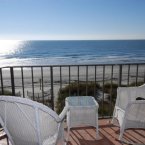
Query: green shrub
{"type": "Point", "coordinates": [136, 84]}
{"type": "Point", "coordinates": [75, 89]}
{"type": "Point", "coordinates": [6, 92]}
{"type": "Point", "coordinates": [9, 93]}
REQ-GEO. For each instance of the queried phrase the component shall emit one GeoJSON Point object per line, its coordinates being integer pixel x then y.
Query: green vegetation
{"type": "Point", "coordinates": [74, 89]}
{"type": "Point", "coordinates": [105, 107]}
{"type": "Point", "coordinates": [6, 92]}
{"type": "Point", "coordinates": [138, 84]}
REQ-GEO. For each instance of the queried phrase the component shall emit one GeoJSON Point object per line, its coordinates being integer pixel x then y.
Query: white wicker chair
{"type": "Point", "coordinates": [129, 112]}
{"type": "Point", "coordinates": [30, 123]}
{"type": "Point", "coordinates": [82, 110]}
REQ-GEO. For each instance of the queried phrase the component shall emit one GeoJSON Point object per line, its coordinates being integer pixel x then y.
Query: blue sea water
{"type": "Point", "coordinates": [74, 52]}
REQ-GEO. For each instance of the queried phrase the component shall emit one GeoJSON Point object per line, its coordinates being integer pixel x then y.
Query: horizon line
{"type": "Point", "coordinates": [69, 39]}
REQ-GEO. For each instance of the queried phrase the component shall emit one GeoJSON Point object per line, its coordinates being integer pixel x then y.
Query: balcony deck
{"type": "Point", "coordinates": [108, 135]}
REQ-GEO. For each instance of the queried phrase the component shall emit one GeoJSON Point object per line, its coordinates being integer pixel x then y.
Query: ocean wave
{"type": "Point", "coordinates": [73, 52]}
{"type": "Point", "coordinates": [69, 61]}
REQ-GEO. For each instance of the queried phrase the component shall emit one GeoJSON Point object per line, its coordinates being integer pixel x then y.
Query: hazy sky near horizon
{"type": "Point", "coordinates": [72, 19]}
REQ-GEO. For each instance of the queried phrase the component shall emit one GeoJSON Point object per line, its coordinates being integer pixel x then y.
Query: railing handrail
{"type": "Point", "coordinates": [75, 65]}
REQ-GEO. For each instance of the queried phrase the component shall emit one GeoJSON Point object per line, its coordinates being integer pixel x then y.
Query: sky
{"type": "Point", "coordinates": [72, 19]}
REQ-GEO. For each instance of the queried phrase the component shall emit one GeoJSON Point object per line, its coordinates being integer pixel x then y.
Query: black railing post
{"type": "Point", "coordinates": [86, 80]}
{"type": "Point", "coordinates": [144, 74]}
{"type": "Point", "coordinates": [42, 83]}
{"type": "Point", "coordinates": [12, 81]}
{"type": "Point", "coordinates": [78, 81]}
{"type": "Point", "coordinates": [1, 76]}
{"type": "Point", "coordinates": [120, 75]}
{"type": "Point", "coordinates": [60, 75]}
{"type": "Point", "coordinates": [103, 88]}
{"type": "Point", "coordinates": [111, 91]}
{"type": "Point", "coordinates": [52, 97]}
{"type": "Point", "coordinates": [128, 75]}
{"type": "Point", "coordinates": [136, 81]}
{"type": "Point", "coordinates": [32, 82]}
{"type": "Point", "coordinates": [60, 78]}
{"type": "Point", "coordinates": [95, 89]}
{"type": "Point", "coordinates": [23, 87]}
{"type": "Point", "coordinates": [69, 81]}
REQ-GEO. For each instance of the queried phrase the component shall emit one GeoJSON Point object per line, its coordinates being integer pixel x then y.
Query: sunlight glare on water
{"type": "Point", "coordinates": [8, 46]}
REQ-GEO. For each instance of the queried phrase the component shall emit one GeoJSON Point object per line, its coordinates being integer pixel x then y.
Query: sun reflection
{"type": "Point", "coordinates": [8, 46]}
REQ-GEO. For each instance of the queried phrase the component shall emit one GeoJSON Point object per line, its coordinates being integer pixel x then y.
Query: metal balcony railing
{"type": "Point", "coordinates": [46, 84]}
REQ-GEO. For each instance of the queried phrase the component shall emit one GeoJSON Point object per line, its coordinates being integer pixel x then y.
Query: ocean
{"type": "Point", "coordinates": [23, 53]}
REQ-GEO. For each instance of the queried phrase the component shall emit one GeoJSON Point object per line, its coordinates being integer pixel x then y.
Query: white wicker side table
{"type": "Point", "coordinates": [83, 111]}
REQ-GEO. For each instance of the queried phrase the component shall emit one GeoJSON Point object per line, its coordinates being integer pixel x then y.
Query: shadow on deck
{"type": "Point", "coordinates": [108, 135]}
